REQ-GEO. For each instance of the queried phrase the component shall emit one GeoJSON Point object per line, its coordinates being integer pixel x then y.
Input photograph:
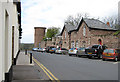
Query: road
{"type": "Point", "coordinates": [65, 67]}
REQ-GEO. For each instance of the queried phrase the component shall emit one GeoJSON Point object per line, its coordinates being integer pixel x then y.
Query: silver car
{"type": "Point", "coordinates": [61, 51]}
{"type": "Point", "coordinates": [73, 51]}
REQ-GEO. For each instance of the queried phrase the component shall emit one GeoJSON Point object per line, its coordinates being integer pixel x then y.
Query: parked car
{"type": "Point", "coordinates": [39, 50]}
{"type": "Point", "coordinates": [77, 52]}
{"type": "Point", "coordinates": [52, 50]}
{"type": "Point", "coordinates": [113, 54]}
{"type": "Point", "coordinates": [34, 49]}
{"type": "Point", "coordinates": [73, 51]}
{"type": "Point", "coordinates": [95, 51]}
{"type": "Point", "coordinates": [44, 50]}
{"type": "Point", "coordinates": [61, 51]}
{"type": "Point", "coordinates": [49, 47]}
{"type": "Point", "coordinates": [81, 52]}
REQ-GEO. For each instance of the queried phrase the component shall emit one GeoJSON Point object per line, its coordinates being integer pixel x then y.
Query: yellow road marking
{"type": "Point", "coordinates": [50, 73]}
{"type": "Point", "coordinates": [46, 70]}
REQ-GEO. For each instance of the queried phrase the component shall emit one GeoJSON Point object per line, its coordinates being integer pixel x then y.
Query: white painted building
{"type": "Point", "coordinates": [10, 23]}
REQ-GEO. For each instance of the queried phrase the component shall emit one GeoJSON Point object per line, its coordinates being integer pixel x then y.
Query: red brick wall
{"type": "Point", "coordinates": [92, 36]}
{"type": "Point", "coordinates": [38, 36]}
{"type": "Point", "coordinates": [65, 42]}
{"type": "Point", "coordinates": [84, 40]}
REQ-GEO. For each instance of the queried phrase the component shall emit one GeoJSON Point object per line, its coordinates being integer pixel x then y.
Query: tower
{"type": "Point", "coordinates": [38, 36]}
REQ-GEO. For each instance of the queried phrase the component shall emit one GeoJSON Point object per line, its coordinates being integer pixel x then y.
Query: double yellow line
{"type": "Point", "coordinates": [47, 72]}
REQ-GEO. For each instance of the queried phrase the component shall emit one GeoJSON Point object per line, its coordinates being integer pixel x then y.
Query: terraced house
{"type": "Point", "coordinates": [87, 33]}
{"type": "Point", "coordinates": [10, 28]}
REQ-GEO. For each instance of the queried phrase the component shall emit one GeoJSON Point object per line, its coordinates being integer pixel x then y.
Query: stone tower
{"type": "Point", "coordinates": [38, 36]}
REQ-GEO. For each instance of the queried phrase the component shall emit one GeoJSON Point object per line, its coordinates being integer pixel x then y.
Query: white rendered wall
{"type": "Point", "coordinates": [6, 36]}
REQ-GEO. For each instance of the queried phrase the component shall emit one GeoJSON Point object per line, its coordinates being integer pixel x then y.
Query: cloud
{"type": "Point", "coordinates": [47, 13]}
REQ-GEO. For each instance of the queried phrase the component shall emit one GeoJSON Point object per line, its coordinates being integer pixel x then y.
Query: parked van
{"type": "Point", "coordinates": [113, 54]}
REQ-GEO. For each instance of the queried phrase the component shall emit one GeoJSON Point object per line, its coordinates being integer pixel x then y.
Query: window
{"type": "Point", "coordinates": [76, 44]}
{"type": "Point", "coordinates": [65, 34]}
{"type": "Point", "coordinates": [72, 44]}
{"type": "Point", "coordinates": [84, 31]}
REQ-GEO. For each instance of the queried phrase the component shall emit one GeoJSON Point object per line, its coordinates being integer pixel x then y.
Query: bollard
{"type": "Point", "coordinates": [26, 52]}
{"type": "Point", "coordinates": [30, 58]}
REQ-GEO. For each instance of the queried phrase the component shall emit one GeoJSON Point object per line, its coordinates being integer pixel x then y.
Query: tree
{"type": "Point", "coordinates": [75, 20]}
{"type": "Point", "coordinates": [113, 21]}
{"type": "Point", "coordinates": [51, 32]}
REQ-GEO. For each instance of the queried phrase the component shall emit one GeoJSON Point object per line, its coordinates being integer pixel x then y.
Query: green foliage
{"type": "Point", "coordinates": [116, 33]}
{"type": "Point", "coordinates": [44, 39]}
{"type": "Point", "coordinates": [51, 32]}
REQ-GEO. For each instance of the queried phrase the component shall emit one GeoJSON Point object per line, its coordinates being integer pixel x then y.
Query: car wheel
{"type": "Point", "coordinates": [90, 57]}
{"type": "Point", "coordinates": [70, 55]}
{"type": "Point", "coordinates": [76, 55]}
{"type": "Point", "coordinates": [79, 55]}
{"type": "Point", "coordinates": [103, 59]}
{"type": "Point", "coordinates": [100, 56]}
{"type": "Point", "coordinates": [116, 59]}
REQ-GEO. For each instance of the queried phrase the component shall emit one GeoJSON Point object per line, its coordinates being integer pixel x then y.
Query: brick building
{"type": "Point", "coordinates": [87, 33]}
{"type": "Point", "coordinates": [38, 36]}
{"type": "Point", "coordinates": [66, 35]}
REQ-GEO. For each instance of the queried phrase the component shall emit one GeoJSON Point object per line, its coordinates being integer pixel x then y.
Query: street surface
{"type": "Point", "coordinates": [66, 67]}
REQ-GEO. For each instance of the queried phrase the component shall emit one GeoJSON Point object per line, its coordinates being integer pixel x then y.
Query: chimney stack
{"type": "Point", "coordinates": [108, 23]}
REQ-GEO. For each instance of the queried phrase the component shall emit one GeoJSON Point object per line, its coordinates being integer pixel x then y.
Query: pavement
{"type": "Point", "coordinates": [23, 71]}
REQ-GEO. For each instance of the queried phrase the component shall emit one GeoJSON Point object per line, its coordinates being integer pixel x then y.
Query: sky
{"type": "Point", "coordinates": [48, 13]}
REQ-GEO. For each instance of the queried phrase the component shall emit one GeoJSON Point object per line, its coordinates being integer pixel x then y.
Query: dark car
{"type": "Point", "coordinates": [52, 50]}
{"type": "Point", "coordinates": [49, 47]}
{"type": "Point", "coordinates": [113, 54]}
{"type": "Point", "coordinates": [95, 51]}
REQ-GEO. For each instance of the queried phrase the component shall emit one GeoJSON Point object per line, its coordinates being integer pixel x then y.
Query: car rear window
{"type": "Point", "coordinates": [95, 46]}
{"type": "Point", "coordinates": [109, 51]}
{"type": "Point", "coordinates": [81, 49]}
{"type": "Point", "coordinates": [53, 48]}
{"type": "Point", "coordinates": [106, 51]}
{"type": "Point", "coordinates": [63, 49]}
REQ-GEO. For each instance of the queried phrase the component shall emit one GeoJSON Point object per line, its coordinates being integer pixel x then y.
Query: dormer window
{"type": "Point", "coordinates": [84, 31]}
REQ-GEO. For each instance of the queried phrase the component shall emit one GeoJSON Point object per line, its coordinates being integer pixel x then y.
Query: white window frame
{"type": "Point", "coordinates": [77, 44]}
{"type": "Point", "coordinates": [72, 44]}
{"type": "Point", "coordinates": [84, 31]}
{"type": "Point", "coordinates": [65, 34]}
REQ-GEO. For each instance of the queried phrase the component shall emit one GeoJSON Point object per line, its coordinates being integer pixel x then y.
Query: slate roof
{"type": "Point", "coordinates": [70, 27]}
{"type": "Point", "coordinates": [97, 24]}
